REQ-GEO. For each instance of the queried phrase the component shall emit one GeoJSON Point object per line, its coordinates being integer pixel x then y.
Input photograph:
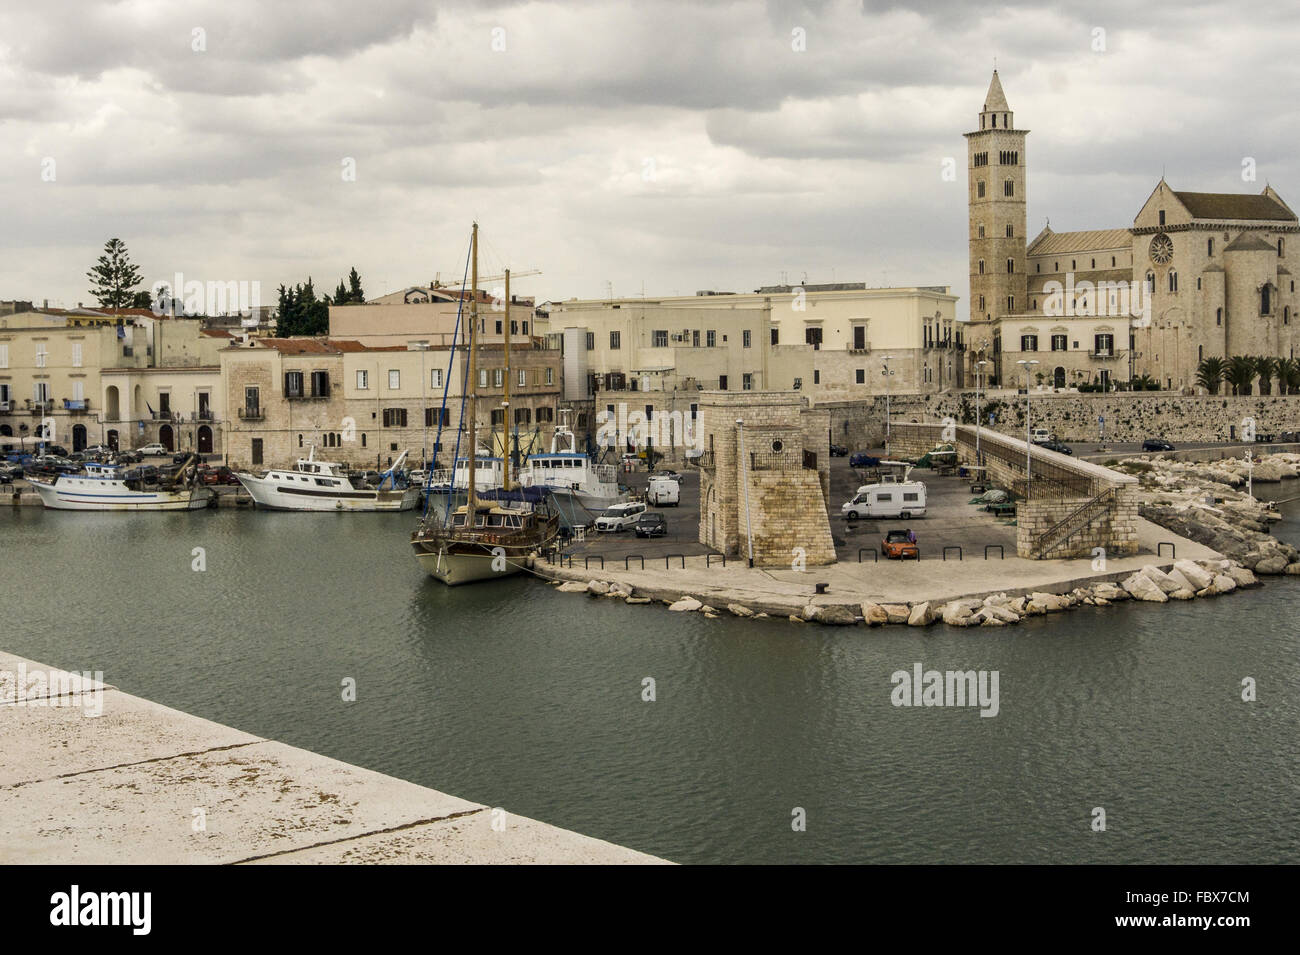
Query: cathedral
{"type": "Point", "coordinates": [1197, 274]}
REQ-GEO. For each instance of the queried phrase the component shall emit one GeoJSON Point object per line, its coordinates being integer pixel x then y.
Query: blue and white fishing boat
{"type": "Point", "coordinates": [566, 468]}
{"type": "Point", "coordinates": [106, 487]}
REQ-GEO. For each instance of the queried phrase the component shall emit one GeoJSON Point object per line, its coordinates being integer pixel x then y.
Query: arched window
{"type": "Point", "coordinates": [1279, 248]}
{"type": "Point", "coordinates": [981, 266]}
{"type": "Point", "coordinates": [1218, 316]}
{"type": "Point", "coordinates": [1009, 188]}
{"type": "Point", "coordinates": [1011, 266]}
{"type": "Point", "coordinates": [995, 120]}
{"type": "Point", "coordinates": [1265, 300]}
{"type": "Point", "coordinates": [1151, 283]}
{"type": "Point", "coordinates": [1173, 281]}
{"type": "Point", "coordinates": [1286, 315]}
{"type": "Point", "coordinates": [300, 441]}
{"type": "Point", "coordinates": [1011, 233]}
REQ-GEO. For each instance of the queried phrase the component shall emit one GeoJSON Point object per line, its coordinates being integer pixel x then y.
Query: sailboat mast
{"type": "Point", "coordinates": [473, 380]}
{"type": "Point", "coordinates": [505, 401]}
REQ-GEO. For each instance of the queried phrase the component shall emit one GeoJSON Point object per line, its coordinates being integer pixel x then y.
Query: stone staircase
{"type": "Point", "coordinates": [1073, 523]}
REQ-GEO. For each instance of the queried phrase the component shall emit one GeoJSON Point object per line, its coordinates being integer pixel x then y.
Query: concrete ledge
{"type": "Point", "coordinates": [127, 787]}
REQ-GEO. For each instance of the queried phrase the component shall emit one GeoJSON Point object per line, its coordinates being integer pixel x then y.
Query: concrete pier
{"type": "Point", "coordinates": [142, 783]}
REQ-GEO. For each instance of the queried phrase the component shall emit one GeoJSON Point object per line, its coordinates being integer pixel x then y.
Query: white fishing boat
{"type": "Point", "coordinates": [106, 487]}
{"type": "Point", "coordinates": [489, 474]}
{"type": "Point", "coordinates": [566, 468]}
{"type": "Point", "coordinates": [327, 486]}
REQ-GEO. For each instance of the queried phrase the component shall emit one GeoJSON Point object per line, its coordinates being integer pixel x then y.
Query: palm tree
{"type": "Point", "coordinates": [1209, 373]}
{"type": "Point", "coordinates": [1266, 368]}
{"type": "Point", "coordinates": [1288, 376]}
{"type": "Point", "coordinates": [1240, 374]}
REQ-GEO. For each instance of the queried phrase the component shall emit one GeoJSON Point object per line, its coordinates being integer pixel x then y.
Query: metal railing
{"type": "Point", "coordinates": [1073, 523]}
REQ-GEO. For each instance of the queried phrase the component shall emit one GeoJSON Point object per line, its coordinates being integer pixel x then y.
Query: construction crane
{"type": "Point", "coordinates": [437, 279]}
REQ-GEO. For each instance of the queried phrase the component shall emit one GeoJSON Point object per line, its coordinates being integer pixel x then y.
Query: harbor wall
{"type": "Point", "coordinates": [1129, 416]}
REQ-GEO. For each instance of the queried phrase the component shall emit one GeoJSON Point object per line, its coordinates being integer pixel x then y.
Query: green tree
{"type": "Point", "coordinates": [355, 292]}
{"type": "Point", "coordinates": [1266, 368]}
{"type": "Point", "coordinates": [114, 278]}
{"type": "Point", "coordinates": [1209, 373]}
{"type": "Point", "coordinates": [301, 312]}
{"type": "Point", "coordinates": [1240, 374]}
{"type": "Point", "coordinates": [1288, 376]}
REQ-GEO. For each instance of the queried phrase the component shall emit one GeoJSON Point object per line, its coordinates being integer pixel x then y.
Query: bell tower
{"type": "Point", "coordinates": [995, 170]}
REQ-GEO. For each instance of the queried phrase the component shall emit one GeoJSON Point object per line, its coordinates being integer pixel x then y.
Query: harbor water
{"type": "Point", "coordinates": [514, 695]}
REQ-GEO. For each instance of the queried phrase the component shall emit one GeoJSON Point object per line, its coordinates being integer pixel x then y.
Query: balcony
{"type": "Point", "coordinates": [1104, 354]}
{"type": "Point", "coordinates": [40, 407]}
{"type": "Point", "coordinates": [251, 414]}
{"type": "Point", "coordinates": [76, 405]}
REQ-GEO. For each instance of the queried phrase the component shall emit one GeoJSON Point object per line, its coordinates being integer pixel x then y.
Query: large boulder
{"type": "Point", "coordinates": [1142, 587]}
{"type": "Point", "coordinates": [572, 587]}
{"type": "Point", "coordinates": [922, 615]}
{"type": "Point", "coordinates": [1160, 578]}
{"type": "Point", "coordinates": [1105, 590]}
{"type": "Point", "coordinates": [1001, 613]}
{"type": "Point", "coordinates": [1194, 574]}
{"type": "Point", "coordinates": [1243, 577]}
{"type": "Point", "coordinates": [874, 615]}
{"type": "Point", "coordinates": [1273, 564]}
{"type": "Point", "coordinates": [739, 610]}
{"type": "Point", "coordinates": [1040, 602]}
{"type": "Point", "coordinates": [597, 588]}
{"type": "Point", "coordinates": [685, 605]}
{"type": "Point", "coordinates": [898, 613]}
{"type": "Point", "coordinates": [957, 614]}
{"type": "Point", "coordinates": [836, 615]}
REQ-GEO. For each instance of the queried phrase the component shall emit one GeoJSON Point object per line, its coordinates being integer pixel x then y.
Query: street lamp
{"type": "Point", "coordinates": [424, 455]}
{"type": "Point", "coordinates": [885, 362]}
{"type": "Point", "coordinates": [744, 477]}
{"type": "Point", "coordinates": [979, 388]}
{"type": "Point", "coordinates": [1028, 363]}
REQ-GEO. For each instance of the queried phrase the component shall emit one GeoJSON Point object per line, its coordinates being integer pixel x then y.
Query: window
{"type": "Point", "coordinates": [747, 382]}
{"type": "Point", "coordinates": [498, 416]}
{"type": "Point", "coordinates": [257, 451]}
{"type": "Point", "coordinates": [252, 402]}
{"type": "Point", "coordinates": [498, 377]}
{"type": "Point", "coordinates": [661, 338]}
{"type": "Point", "coordinates": [1218, 316]}
{"type": "Point", "coordinates": [979, 189]}
{"type": "Point", "coordinates": [722, 382]}
{"type": "Point", "coordinates": [1151, 283]}
{"type": "Point", "coordinates": [522, 378]}
{"type": "Point", "coordinates": [548, 415]}
{"type": "Point", "coordinates": [812, 335]}
{"type": "Point", "coordinates": [320, 384]}
{"type": "Point", "coordinates": [1029, 343]}
{"type": "Point", "coordinates": [363, 380]}
{"type": "Point", "coordinates": [40, 354]}
{"type": "Point", "coordinates": [1162, 216]}
{"type": "Point", "coordinates": [591, 341]}
{"type": "Point", "coordinates": [1009, 188]}
{"type": "Point", "coordinates": [817, 376]}
{"type": "Point", "coordinates": [1104, 344]}
{"type": "Point", "coordinates": [860, 337]}
{"type": "Point", "coordinates": [980, 231]}
{"type": "Point", "coordinates": [293, 384]}
{"type": "Point", "coordinates": [711, 338]}
{"type": "Point", "coordinates": [981, 303]}
{"type": "Point", "coordinates": [435, 378]}
{"type": "Point", "coordinates": [1209, 246]}
{"type": "Point", "coordinates": [394, 417]}
{"type": "Point", "coordinates": [4, 355]}
{"type": "Point", "coordinates": [1059, 343]}
{"type": "Point", "coordinates": [1173, 281]}
{"type": "Point", "coordinates": [1011, 303]}
{"type": "Point", "coordinates": [76, 354]}
{"type": "Point", "coordinates": [498, 326]}
{"type": "Point", "coordinates": [523, 416]}
{"type": "Point", "coordinates": [437, 417]}
{"type": "Point", "coordinates": [981, 267]}
{"type": "Point", "coordinates": [1279, 248]}
{"type": "Point", "coordinates": [482, 377]}
{"type": "Point", "coordinates": [1011, 266]}
{"type": "Point", "coordinates": [776, 336]}
{"type": "Point", "coordinates": [615, 340]}
{"type": "Point", "coordinates": [861, 376]}
{"type": "Point", "coordinates": [550, 376]}
{"type": "Point", "coordinates": [1265, 300]}
{"type": "Point", "coordinates": [1010, 232]}
{"type": "Point", "coordinates": [524, 326]}
{"type": "Point", "coordinates": [745, 338]}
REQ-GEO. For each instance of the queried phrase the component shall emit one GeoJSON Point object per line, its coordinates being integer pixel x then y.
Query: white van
{"type": "Point", "coordinates": [904, 499]}
{"type": "Point", "coordinates": [663, 491]}
{"type": "Point", "coordinates": [1040, 436]}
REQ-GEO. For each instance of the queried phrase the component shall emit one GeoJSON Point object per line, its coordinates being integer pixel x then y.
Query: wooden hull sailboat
{"type": "Point", "coordinates": [496, 533]}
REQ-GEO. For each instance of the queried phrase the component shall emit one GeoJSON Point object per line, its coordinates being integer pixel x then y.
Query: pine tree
{"type": "Point", "coordinates": [356, 295]}
{"type": "Point", "coordinates": [114, 278]}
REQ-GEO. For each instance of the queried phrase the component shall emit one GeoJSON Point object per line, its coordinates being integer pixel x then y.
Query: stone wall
{"type": "Point", "coordinates": [1114, 531]}
{"type": "Point", "coordinates": [787, 519]}
{"type": "Point", "coordinates": [1130, 416]}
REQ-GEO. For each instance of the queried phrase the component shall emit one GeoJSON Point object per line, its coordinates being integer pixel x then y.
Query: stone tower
{"type": "Point", "coordinates": [996, 186]}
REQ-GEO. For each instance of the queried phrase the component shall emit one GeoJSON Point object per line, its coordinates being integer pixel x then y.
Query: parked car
{"type": "Point", "coordinates": [860, 459]}
{"type": "Point", "coordinates": [154, 448]}
{"type": "Point", "coordinates": [1057, 446]}
{"type": "Point", "coordinates": [651, 525]}
{"type": "Point", "coordinates": [1041, 436]}
{"type": "Point", "coordinates": [1156, 444]}
{"type": "Point", "coordinates": [905, 499]}
{"type": "Point", "coordinates": [900, 545]}
{"type": "Point", "coordinates": [218, 475]}
{"type": "Point", "coordinates": [181, 456]}
{"type": "Point", "coordinates": [98, 450]}
{"type": "Point", "coordinates": [128, 457]}
{"type": "Point", "coordinates": [57, 450]}
{"type": "Point", "coordinates": [839, 451]}
{"type": "Point", "coordinates": [148, 472]}
{"type": "Point", "coordinates": [619, 517]}
{"type": "Point", "coordinates": [10, 472]}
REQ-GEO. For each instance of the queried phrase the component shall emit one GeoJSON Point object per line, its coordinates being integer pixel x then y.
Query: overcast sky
{"type": "Point", "coordinates": [664, 146]}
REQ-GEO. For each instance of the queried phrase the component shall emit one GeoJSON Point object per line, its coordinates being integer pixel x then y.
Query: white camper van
{"type": "Point", "coordinates": [902, 499]}
{"type": "Point", "coordinates": [663, 491]}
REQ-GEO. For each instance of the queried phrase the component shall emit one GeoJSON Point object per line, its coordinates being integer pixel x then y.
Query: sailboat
{"type": "Point", "coordinates": [484, 538]}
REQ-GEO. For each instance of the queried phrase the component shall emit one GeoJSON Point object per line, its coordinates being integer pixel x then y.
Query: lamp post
{"type": "Point", "coordinates": [979, 388]}
{"type": "Point", "coordinates": [424, 454]}
{"type": "Point", "coordinates": [1028, 364]}
{"type": "Point", "coordinates": [885, 361]}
